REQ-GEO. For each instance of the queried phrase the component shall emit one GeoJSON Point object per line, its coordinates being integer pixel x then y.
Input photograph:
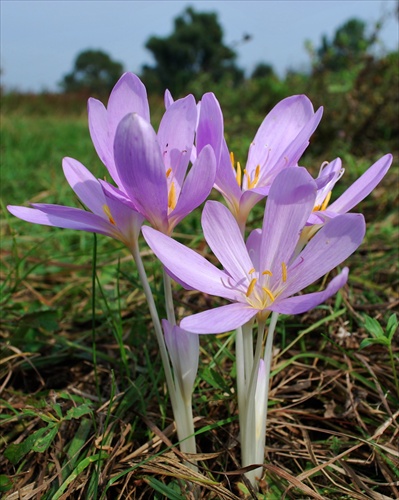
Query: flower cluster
{"type": "Point", "coordinates": [162, 176]}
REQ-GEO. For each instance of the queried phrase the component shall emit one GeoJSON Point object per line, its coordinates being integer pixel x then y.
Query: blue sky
{"type": "Point", "coordinates": [40, 39]}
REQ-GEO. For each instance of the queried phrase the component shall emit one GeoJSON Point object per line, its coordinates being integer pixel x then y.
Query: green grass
{"type": "Point", "coordinates": [84, 408]}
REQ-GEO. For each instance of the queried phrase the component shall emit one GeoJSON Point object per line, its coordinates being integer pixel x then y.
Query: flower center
{"type": "Point", "coordinates": [259, 294]}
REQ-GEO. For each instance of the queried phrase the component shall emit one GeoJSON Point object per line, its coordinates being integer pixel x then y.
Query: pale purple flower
{"type": "Point", "coordinates": [279, 143]}
{"type": "Point", "coordinates": [264, 274]}
{"type": "Point", "coordinates": [107, 215]}
{"type": "Point", "coordinates": [183, 348]}
{"type": "Point", "coordinates": [149, 168]}
{"type": "Point", "coordinates": [361, 188]}
{"type": "Point", "coordinates": [152, 168]}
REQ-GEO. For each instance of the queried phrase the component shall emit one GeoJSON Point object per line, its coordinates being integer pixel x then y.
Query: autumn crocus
{"type": "Point", "coordinates": [279, 143]}
{"type": "Point", "coordinates": [106, 215]}
{"type": "Point", "coordinates": [361, 188]}
{"type": "Point", "coordinates": [151, 169]}
{"type": "Point", "coordinates": [328, 176]}
{"type": "Point", "coordinates": [261, 276]}
{"type": "Point", "coordinates": [153, 181]}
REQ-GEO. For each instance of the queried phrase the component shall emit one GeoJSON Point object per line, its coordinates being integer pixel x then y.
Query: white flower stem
{"type": "Point", "coordinates": [240, 364]}
{"type": "Point", "coordinates": [253, 412]}
{"type": "Point", "coordinates": [156, 322]}
{"type": "Point", "coordinates": [170, 310]}
{"type": "Point", "coordinates": [248, 350]}
{"type": "Point", "coordinates": [184, 410]}
{"type": "Point", "coordinates": [260, 445]}
{"type": "Point", "coordinates": [241, 389]}
{"type": "Point", "coordinates": [182, 414]}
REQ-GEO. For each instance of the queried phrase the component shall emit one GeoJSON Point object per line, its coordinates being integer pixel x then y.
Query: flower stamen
{"type": "Point", "coordinates": [323, 206]}
{"type": "Point", "coordinates": [238, 174]}
{"type": "Point", "coordinates": [168, 172]}
{"type": "Point", "coordinates": [252, 270]}
{"type": "Point", "coordinates": [268, 293]}
{"type": "Point", "coordinates": [172, 197]}
{"type": "Point", "coordinates": [251, 287]}
{"type": "Point", "coordinates": [238, 171]}
{"type": "Point", "coordinates": [284, 271]}
{"type": "Point", "coordinates": [326, 201]}
{"type": "Point", "coordinates": [107, 212]}
{"type": "Point", "coordinates": [252, 184]}
{"type": "Point", "coordinates": [267, 273]}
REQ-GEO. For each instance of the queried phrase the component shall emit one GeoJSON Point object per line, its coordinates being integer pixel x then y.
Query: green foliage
{"type": "Point", "coordinates": [5, 483]}
{"type": "Point", "coordinates": [385, 338]}
{"type": "Point", "coordinates": [378, 335]}
{"type": "Point", "coordinates": [263, 70]}
{"type": "Point", "coordinates": [349, 46]}
{"type": "Point", "coordinates": [94, 72]}
{"type": "Point", "coordinates": [194, 48]}
{"type": "Point", "coordinates": [40, 440]}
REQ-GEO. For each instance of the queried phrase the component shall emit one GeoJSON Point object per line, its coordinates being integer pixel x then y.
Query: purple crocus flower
{"type": "Point", "coordinates": [152, 168]}
{"type": "Point", "coordinates": [279, 143]}
{"type": "Point", "coordinates": [149, 168]}
{"type": "Point", "coordinates": [107, 215]}
{"type": "Point", "coordinates": [264, 274]}
{"type": "Point", "coordinates": [361, 188]}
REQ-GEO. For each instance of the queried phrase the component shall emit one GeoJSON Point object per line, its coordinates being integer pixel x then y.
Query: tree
{"type": "Point", "coordinates": [263, 70]}
{"type": "Point", "coordinates": [195, 48]}
{"type": "Point", "coordinates": [94, 72]}
{"type": "Point", "coordinates": [349, 46]}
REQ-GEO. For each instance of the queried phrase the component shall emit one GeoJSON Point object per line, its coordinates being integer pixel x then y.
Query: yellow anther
{"type": "Point", "coordinates": [269, 293]}
{"type": "Point", "coordinates": [107, 212]}
{"type": "Point", "coordinates": [238, 174]}
{"type": "Point", "coordinates": [172, 196]}
{"type": "Point", "coordinates": [323, 206]}
{"type": "Point", "coordinates": [252, 270]}
{"type": "Point", "coordinates": [168, 172]}
{"type": "Point", "coordinates": [257, 173]}
{"type": "Point", "coordinates": [284, 271]}
{"type": "Point", "coordinates": [251, 287]}
{"type": "Point", "coordinates": [326, 201]}
{"type": "Point", "coordinates": [267, 273]}
{"type": "Point", "coordinates": [252, 184]}
{"type": "Point", "coordinates": [238, 171]}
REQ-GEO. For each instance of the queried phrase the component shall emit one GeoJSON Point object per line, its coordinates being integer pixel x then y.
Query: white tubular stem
{"type": "Point", "coordinates": [251, 410]}
{"type": "Point", "coordinates": [248, 344]}
{"type": "Point", "coordinates": [170, 310]}
{"type": "Point", "coordinates": [260, 448]}
{"type": "Point", "coordinates": [182, 410]}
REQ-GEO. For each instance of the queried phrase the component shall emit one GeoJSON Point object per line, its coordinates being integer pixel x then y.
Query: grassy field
{"type": "Point", "coordinates": [84, 411]}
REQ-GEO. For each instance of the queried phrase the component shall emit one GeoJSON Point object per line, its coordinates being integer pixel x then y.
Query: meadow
{"type": "Point", "coordinates": [84, 411]}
